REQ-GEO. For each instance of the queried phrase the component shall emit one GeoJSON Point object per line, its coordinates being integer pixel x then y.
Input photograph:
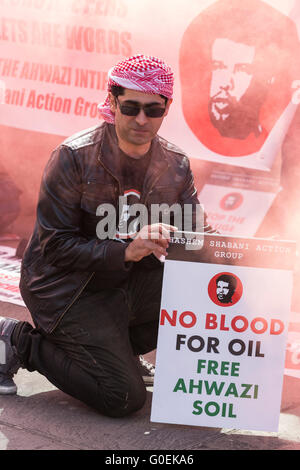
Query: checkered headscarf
{"type": "Point", "coordinates": [142, 73]}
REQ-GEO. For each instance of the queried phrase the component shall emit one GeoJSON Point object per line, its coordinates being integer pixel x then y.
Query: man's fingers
{"type": "Point", "coordinates": [159, 245]}
{"type": "Point", "coordinates": [163, 227]}
{"type": "Point", "coordinates": [151, 239]}
{"type": "Point", "coordinates": [139, 248]}
{"type": "Point", "coordinates": [157, 231]}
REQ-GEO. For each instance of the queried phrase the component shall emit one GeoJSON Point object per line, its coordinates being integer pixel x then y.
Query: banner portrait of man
{"type": "Point", "coordinates": [225, 289]}
{"type": "Point", "coordinates": [238, 61]}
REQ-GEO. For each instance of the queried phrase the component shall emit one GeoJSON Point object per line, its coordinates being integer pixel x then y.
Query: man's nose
{"type": "Point", "coordinates": [225, 78]}
{"type": "Point", "coordinates": [228, 82]}
{"type": "Point", "coordinates": [141, 118]}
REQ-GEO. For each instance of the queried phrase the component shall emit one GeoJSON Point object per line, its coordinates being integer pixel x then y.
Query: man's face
{"type": "Point", "coordinates": [222, 291]}
{"type": "Point", "coordinates": [135, 133]}
{"type": "Point", "coordinates": [232, 74]}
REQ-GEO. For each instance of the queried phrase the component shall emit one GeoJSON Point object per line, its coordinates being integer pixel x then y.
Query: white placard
{"type": "Point", "coordinates": [220, 356]}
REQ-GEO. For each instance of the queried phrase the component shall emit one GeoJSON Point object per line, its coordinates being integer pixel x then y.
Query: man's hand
{"type": "Point", "coordinates": [151, 239]}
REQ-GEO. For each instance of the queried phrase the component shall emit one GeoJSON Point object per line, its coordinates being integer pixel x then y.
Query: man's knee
{"type": "Point", "coordinates": [124, 402]}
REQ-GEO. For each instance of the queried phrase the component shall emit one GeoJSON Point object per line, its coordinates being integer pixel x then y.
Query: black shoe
{"type": "Point", "coordinates": [147, 370]}
{"type": "Point", "coordinates": [9, 363]}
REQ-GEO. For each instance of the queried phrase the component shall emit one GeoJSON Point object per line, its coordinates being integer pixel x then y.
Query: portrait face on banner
{"type": "Point", "coordinates": [233, 106]}
{"type": "Point", "coordinates": [238, 61]}
{"type": "Point", "coordinates": [231, 201]}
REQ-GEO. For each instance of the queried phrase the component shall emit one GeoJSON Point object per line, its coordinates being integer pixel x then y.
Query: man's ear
{"type": "Point", "coordinates": [169, 102]}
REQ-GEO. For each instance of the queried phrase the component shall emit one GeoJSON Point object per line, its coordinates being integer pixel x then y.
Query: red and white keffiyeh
{"type": "Point", "coordinates": [142, 73]}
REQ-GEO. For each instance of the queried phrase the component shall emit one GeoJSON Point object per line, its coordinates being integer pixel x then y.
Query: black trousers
{"type": "Point", "coordinates": [90, 354]}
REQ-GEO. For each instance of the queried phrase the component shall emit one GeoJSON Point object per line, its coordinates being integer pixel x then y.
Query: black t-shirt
{"type": "Point", "coordinates": [134, 170]}
{"type": "Point", "coordinates": [133, 175]}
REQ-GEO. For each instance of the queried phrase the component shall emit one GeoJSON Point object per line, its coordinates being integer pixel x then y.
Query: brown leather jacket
{"type": "Point", "coordinates": [64, 251]}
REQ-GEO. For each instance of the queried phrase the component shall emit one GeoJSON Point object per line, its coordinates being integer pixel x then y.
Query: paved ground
{"type": "Point", "coordinates": [41, 417]}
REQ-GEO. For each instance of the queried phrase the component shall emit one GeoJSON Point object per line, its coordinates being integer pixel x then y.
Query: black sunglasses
{"type": "Point", "coordinates": [150, 110]}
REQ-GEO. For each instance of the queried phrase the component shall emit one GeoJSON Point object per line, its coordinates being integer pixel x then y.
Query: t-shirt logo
{"type": "Point", "coordinates": [129, 217]}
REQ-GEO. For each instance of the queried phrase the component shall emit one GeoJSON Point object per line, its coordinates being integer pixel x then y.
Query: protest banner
{"type": "Point", "coordinates": [10, 267]}
{"type": "Point", "coordinates": [292, 359]}
{"type": "Point", "coordinates": [223, 332]}
{"type": "Point", "coordinates": [55, 57]}
{"type": "Point", "coordinates": [229, 210]}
